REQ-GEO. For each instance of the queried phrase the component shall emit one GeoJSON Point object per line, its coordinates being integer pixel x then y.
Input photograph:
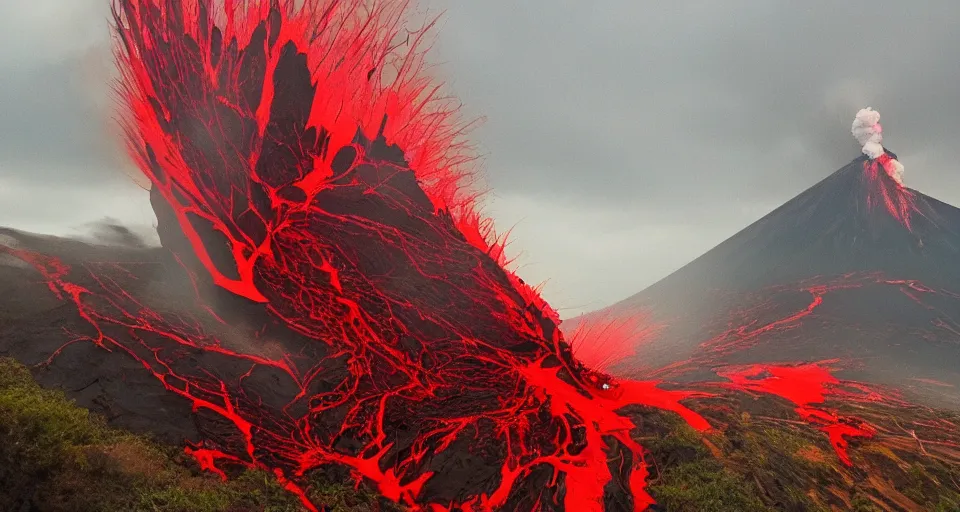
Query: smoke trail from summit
{"type": "Point", "coordinates": [869, 133]}
{"type": "Point", "coordinates": [895, 169]}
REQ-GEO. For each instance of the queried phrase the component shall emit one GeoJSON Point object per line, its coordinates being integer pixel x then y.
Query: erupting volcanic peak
{"type": "Point", "coordinates": [896, 199]}
{"type": "Point", "coordinates": [846, 295]}
{"type": "Point", "coordinates": [857, 267]}
{"type": "Point", "coordinates": [857, 219]}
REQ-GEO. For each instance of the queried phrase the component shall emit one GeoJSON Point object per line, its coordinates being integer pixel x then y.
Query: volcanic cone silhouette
{"type": "Point", "coordinates": [857, 268]}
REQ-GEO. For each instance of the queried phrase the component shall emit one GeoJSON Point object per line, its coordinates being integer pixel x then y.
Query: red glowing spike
{"type": "Point", "coordinates": [603, 340]}
{"type": "Point", "coordinates": [302, 162]}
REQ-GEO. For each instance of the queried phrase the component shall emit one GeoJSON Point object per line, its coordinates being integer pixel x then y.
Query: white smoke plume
{"type": "Point", "coordinates": [895, 169]}
{"type": "Point", "coordinates": [868, 132]}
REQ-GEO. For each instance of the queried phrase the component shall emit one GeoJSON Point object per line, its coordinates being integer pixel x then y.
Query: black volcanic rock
{"type": "Point", "coordinates": [35, 324]}
{"type": "Point", "coordinates": [885, 290]}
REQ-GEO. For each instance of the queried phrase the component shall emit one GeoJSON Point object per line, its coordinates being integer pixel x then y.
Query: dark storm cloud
{"type": "Point", "coordinates": [622, 138]}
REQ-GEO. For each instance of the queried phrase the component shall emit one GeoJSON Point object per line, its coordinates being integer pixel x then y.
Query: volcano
{"type": "Point", "coordinates": [858, 270]}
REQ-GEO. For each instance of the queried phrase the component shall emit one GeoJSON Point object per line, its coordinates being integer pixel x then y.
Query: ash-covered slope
{"type": "Point", "coordinates": [840, 225]}
{"type": "Point", "coordinates": [856, 268]}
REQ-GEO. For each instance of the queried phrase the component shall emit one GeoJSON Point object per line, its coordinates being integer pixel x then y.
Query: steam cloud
{"type": "Point", "coordinates": [868, 132]}
{"type": "Point", "coordinates": [895, 169]}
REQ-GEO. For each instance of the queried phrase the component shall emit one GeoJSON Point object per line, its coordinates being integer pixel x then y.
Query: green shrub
{"type": "Point", "coordinates": [704, 485]}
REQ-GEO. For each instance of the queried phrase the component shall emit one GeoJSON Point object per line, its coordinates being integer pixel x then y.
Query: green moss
{"type": "Point", "coordinates": [861, 503]}
{"type": "Point", "coordinates": [344, 498]}
{"type": "Point", "coordinates": [760, 467]}
{"type": "Point", "coordinates": [174, 498]}
{"type": "Point", "coordinates": [926, 485]}
{"type": "Point", "coordinates": [38, 426]}
{"type": "Point", "coordinates": [704, 485]}
{"type": "Point", "coordinates": [676, 444]}
{"type": "Point", "coordinates": [691, 478]}
{"type": "Point", "coordinates": [57, 457]}
{"type": "Point", "coordinates": [253, 490]}
{"type": "Point", "coordinates": [947, 505]}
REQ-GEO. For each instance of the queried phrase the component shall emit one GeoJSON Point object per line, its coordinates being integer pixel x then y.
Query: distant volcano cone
{"type": "Point", "coordinates": [856, 219]}
{"type": "Point", "coordinates": [857, 268]}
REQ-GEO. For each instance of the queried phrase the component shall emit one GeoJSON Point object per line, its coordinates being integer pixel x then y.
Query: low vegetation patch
{"type": "Point", "coordinates": [765, 462]}
{"type": "Point", "coordinates": [58, 457]}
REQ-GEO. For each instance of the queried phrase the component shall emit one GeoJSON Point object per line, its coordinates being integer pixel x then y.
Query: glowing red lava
{"type": "Point", "coordinates": [581, 425]}
{"type": "Point", "coordinates": [310, 181]}
{"type": "Point", "coordinates": [604, 340]}
{"type": "Point", "coordinates": [806, 385]}
{"type": "Point", "coordinates": [747, 331]}
{"type": "Point", "coordinates": [885, 191]}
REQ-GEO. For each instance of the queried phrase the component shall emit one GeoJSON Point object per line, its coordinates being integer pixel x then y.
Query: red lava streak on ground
{"type": "Point", "coordinates": [741, 336]}
{"type": "Point", "coordinates": [807, 386]}
{"type": "Point", "coordinates": [583, 418]}
{"type": "Point", "coordinates": [811, 386]}
{"type": "Point", "coordinates": [747, 332]}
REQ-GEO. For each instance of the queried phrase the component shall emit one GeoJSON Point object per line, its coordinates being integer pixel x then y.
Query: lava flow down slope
{"type": "Point", "coordinates": [858, 270]}
{"type": "Point", "coordinates": [326, 297]}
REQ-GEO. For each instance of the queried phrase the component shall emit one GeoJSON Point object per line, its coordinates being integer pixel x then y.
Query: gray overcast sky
{"type": "Point", "coordinates": [621, 139]}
